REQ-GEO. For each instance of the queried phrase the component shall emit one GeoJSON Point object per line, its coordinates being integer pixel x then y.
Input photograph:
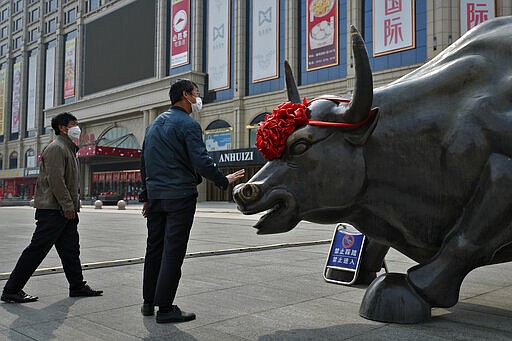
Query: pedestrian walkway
{"type": "Point", "coordinates": [264, 288]}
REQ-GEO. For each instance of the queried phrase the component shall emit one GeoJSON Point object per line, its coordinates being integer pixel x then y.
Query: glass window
{"type": "Point", "coordinates": [5, 14]}
{"type": "Point", "coordinates": [4, 31]}
{"type": "Point", "coordinates": [18, 24]}
{"type": "Point", "coordinates": [51, 5]}
{"type": "Point", "coordinates": [34, 14]}
{"type": "Point", "coordinates": [13, 160]}
{"type": "Point", "coordinates": [34, 34]}
{"type": "Point", "coordinates": [17, 42]}
{"type": "Point", "coordinates": [51, 25]}
{"type": "Point", "coordinates": [18, 6]}
{"type": "Point", "coordinates": [3, 49]}
{"type": "Point", "coordinates": [91, 5]}
{"type": "Point", "coordinates": [71, 15]}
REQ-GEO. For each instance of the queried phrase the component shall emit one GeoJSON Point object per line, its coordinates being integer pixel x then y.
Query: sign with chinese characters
{"type": "Point", "coordinates": [32, 83]}
{"type": "Point", "coordinates": [322, 34]}
{"type": "Point", "coordinates": [218, 44]}
{"type": "Point", "coordinates": [3, 81]}
{"type": "Point", "coordinates": [346, 249]}
{"type": "Point", "coordinates": [49, 79]}
{"type": "Point", "coordinates": [16, 98]}
{"type": "Point", "coordinates": [265, 33]}
{"type": "Point", "coordinates": [473, 13]}
{"type": "Point", "coordinates": [393, 26]}
{"type": "Point", "coordinates": [180, 31]}
{"type": "Point", "coordinates": [69, 69]}
{"type": "Point", "coordinates": [217, 139]}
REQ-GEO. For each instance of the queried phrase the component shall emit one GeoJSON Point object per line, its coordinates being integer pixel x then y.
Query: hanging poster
{"type": "Point", "coordinates": [31, 99]}
{"type": "Point", "coordinates": [2, 100]}
{"type": "Point", "coordinates": [69, 69]}
{"type": "Point", "coordinates": [473, 13]}
{"type": "Point", "coordinates": [180, 30]}
{"type": "Point", "coordinates": [16, 98]}
{"type": "Point", "coordinates": [217, 139]}
{"type": "Point", "coordinates": [218, 44]}
{"type": "Point", "coordinates": [322, 34]}
{"type": "Point", "coordinates": [265, 33]}
{"type": "Point", "coordinates": [49, 82]}
{"type": "Point", "coordinates": [393, 26]}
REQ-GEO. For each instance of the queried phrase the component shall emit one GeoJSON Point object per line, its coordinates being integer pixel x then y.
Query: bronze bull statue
{"type": "Point", "coordinates": [421, 165]}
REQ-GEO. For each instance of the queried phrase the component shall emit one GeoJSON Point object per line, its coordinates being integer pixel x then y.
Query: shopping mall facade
{"type": "Point", "coordinates": [111, 62]}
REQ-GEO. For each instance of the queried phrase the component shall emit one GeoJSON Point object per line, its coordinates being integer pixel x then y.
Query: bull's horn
{"type": "Point", "coordinates": [291, 87]}
{"type": "Point", "coordinates": [363, 91]}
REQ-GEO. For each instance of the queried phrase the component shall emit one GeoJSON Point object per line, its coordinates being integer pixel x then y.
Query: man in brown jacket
{"type": "Point", "coordinates": [57, 205]}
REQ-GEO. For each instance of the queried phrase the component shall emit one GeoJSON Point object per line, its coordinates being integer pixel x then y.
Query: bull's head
{"type": "Point", "coordinates": [321, 171]}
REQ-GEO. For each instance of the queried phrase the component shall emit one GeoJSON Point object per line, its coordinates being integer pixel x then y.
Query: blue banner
{"type": "Point", "coordinates": [345, 250]}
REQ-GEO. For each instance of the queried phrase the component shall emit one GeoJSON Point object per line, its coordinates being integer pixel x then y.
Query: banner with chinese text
{"type": "Point", "coordinates": [322, 34]}
{"type": "Point", "coordinates": [2, 100]}
{"type": "Point", "coordinates": [218, 44]}
{"type": "Point", "coordinates": [31, 100]}
{"type": "Point", "coordinates": [393, 26]}
{"type": "Point", "coordinates": [265, 33]}
{"type": "Point", "coordinates": [180, 29]}
{"type": "Point", "coordinates": [16, 98]}
{"type": "Point", "coordinates": [49, 81]}
{"type": "Point", "coordinates": [69, 69]}
{"type": "Point", "coordinates": [473, 13]}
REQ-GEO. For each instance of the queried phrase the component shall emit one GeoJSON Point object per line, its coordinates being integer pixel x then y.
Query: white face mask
{"type": "Point", "coordinates": [74, 132]}
{"type": "Point", "coordinates": [198, 105]}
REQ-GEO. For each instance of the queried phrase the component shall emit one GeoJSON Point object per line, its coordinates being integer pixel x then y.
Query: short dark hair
{"type": "Point", "coordinates": [176, 91]}
{"type": "Point", "coordinates": [62, 120]}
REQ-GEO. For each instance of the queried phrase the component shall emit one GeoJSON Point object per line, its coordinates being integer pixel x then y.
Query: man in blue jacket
{"type": "Point", "coordinates": [174, 158]}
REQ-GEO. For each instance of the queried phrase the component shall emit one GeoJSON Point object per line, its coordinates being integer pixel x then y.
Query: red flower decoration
{"type": "Point", "coordinates": [272, 133]}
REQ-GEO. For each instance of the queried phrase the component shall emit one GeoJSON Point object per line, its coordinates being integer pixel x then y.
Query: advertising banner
{"type": "Point", "coordinates": [322, 34]}
{"type": "Point", "coordinates": [16, 98]}
{"type": "Point", "coordinates": [180, 29]}
{"type": "Point", "coordinates": [393, 26]}
{"type": "Point", "coordinates": [49, 81]}
{"type": "Point", "coordinates": [31, 100]}
{"type": "Point", "coordinates": [218, 44]}
{"type": "Point", "coordinates": [473, 13]}
{"type": "Point", "coordinates": [265, 40]}
{"type": "Point", "coordinates": [2, 100]}
{"type": "Point", "coordinates": [217, 139]}
{"type": "Point", "coordinates": [69, 69]}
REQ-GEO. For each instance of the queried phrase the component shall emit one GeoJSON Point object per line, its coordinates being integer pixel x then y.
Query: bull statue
{"type": "Point", "coordinates": [422, 165]}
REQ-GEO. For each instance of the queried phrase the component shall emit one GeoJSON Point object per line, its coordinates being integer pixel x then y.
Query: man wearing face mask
{"type": "Point", "coordinates": [174, 158]}
{"type": "Point", "coordinates": [57, 204]}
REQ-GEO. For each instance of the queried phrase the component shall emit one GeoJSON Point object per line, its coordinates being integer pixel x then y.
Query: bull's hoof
{"type": "Point", "coordinates": [390, 298]}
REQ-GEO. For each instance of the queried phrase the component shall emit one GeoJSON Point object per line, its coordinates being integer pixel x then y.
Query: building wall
{"type": "Point", "coordinates": [137, 104]}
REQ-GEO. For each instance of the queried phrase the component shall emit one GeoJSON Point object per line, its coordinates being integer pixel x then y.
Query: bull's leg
{"type": "Point", "coordinates": [371, 262]}
{"type": "Point", "coordinates": [484, 227]}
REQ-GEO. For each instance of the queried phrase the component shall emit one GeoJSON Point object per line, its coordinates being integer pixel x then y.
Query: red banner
{"type": "Point", "coordinates": [180, 31]}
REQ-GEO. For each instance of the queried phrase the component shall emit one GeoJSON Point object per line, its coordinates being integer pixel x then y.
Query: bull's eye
{"type": "Point", "coordinates": [299, 147]}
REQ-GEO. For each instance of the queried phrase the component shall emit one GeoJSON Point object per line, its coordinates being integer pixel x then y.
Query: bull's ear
{"type": "Point", "coordinates": [359, 136]}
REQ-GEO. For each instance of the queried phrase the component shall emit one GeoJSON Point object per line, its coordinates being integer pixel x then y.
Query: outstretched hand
{"type": "Point", "coordinates": [235, 176]}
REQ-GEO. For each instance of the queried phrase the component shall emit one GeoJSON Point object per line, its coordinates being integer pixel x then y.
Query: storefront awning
{"type": "Point", "coordinates": [90, 151]}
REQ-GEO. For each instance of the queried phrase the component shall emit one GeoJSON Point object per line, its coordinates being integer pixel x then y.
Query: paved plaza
{"type": "Point", "coordinates": [242, 286]}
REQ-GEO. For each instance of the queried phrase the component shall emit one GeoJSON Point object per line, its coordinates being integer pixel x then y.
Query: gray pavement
{"type": "Point", "coordinates": [241, 286]}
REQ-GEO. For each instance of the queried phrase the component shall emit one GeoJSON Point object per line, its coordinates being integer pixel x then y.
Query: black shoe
{"type": "Point", "coordinates": [85, 291]}
{"type": "Point", "coordinates": [175, 315]}
{"type": "Point", "coordinates": [147, 309]}
{"type": "Point", "coordinates": [19, 297]}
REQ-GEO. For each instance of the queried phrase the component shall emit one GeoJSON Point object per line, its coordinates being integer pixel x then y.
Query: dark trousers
{"type": "Point", "coordinates": [52, 228]}
{"type": "Point", "coordinates": [169, 222]}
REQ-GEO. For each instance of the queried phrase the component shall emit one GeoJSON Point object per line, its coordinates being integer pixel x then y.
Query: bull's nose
{"type": "Point", "coordinates": [246, 193]}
